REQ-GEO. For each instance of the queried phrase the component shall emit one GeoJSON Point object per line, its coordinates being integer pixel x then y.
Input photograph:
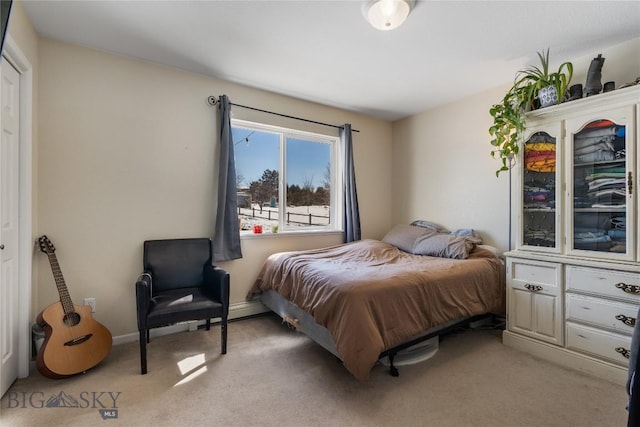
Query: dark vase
{"type": "Point", "coordinates": [575, 92]}
{"type": "Point", "coordinates": [594, 76]}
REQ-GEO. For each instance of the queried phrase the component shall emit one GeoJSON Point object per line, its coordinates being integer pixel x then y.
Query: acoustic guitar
{"type": "Point", "coordinates": [74, 342]}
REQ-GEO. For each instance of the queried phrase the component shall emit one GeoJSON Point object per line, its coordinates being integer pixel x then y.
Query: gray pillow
{"type": "Point", "coordinates": [443, 245]}
{"type": "Point", "coordinates": [429, 225]}
{"type": "Point", "coordinates": [404, 236]}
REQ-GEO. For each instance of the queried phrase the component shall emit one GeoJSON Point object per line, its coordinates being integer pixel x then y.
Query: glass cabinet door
{"type": "Point", "coordinates": [600, 186]}
{"type": "Point", "coordinates": [541, 164]}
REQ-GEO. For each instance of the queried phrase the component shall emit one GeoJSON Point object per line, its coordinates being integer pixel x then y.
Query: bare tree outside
{"type": "Point", "coordinates": [326, 183]}
{"type": "Point", "coordinates": [307, 191]}
{"type": "Point", "coordinates": [239, 179]}
{"type": "Point", "coordinates": [266, 187]}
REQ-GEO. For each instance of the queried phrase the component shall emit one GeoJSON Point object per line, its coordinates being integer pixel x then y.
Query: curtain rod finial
{"type": "Point", "coordinates": [212, 100]}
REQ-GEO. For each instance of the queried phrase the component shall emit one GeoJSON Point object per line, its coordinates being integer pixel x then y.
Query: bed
{"type": "Point", "coordinates": [360, 300]}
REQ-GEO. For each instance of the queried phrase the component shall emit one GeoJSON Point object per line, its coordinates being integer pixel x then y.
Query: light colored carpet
{"type": "Point", "coordinates": [274, 376]}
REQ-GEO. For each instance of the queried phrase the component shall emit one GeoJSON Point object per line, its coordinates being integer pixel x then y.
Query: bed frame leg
{"type": "Point", "coordinates": [392, 369]}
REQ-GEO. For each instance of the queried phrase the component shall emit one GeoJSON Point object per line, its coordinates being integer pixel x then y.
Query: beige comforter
{"type": "Point", "coordinates": [372, 296]}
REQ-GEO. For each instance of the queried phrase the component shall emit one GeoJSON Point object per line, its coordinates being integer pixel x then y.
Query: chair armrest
{"type": "Point", "coordinates": [143, 298]}
{"type": "Point", "coordinates": [216, 281]}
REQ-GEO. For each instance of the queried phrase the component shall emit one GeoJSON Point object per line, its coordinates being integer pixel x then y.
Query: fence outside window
{"type": "Point", "coordinates": [303, 219]}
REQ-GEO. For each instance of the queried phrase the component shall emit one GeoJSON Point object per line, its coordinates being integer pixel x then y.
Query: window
{"type": "Point", "coordinates": [286, 180]}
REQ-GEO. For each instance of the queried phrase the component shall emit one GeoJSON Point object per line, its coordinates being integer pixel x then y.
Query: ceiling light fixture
{"type": "Point", "coordinates": [386, 15]}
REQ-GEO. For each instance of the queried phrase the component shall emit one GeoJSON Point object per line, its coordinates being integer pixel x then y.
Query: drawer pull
{"type": "Point", "coordinates": [533, 288]}
{"type": "Point", "coordinates": [630, 289]}
{"type": "Point", "coordinates": [624, 352]}
{"type": "Point", "coordinates": [629, 321]}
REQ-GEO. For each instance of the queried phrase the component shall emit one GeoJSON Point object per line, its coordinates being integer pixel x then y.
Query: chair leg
{"type": "Point", "coordinates": [144, 334]}
{"type": "Point", "coordinates": [223, 328]}
{"type": "Point", "coordinates": [148, 336]}
{"type": "Point", "coordinates": [208, 326]}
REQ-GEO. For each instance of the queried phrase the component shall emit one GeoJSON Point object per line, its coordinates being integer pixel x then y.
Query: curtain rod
{"type": "Point", "coordinates": [212, 100]}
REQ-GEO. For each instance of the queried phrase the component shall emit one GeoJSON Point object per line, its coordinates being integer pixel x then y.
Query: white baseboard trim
{"type": "Point", "coordinates": [236, 311]}
{"type": "Point", "coordinates": [567, 358]}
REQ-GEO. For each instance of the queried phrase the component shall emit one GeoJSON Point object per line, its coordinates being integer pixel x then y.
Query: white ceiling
{"type": "Point", "coordinates": [324, 51]}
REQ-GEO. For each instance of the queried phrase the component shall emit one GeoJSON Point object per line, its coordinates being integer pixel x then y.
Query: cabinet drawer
{"type": "Point", "coordinates": [615, 284]}
{"type": "Point", "coordinates": [619, 316]}
{"type": "Point", "coordinates": [538, 276]}
{"type": "Point", "coordinates": [606, 345]}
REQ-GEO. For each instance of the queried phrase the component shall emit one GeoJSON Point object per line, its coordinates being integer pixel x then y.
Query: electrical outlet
{"type": "Point", "coordinates": [91, 302]}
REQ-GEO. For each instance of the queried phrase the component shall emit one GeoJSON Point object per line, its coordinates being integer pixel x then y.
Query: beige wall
{"type": "Point", "coordinates": [442, 170]}
{"type": "Point", "coordinates": [123, 152]}
{"type": "Point", "coordinates": [127, 153]}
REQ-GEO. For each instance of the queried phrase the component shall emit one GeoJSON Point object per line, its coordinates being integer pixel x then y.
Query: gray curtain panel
{"type": "Point", "coordinates": [351, 221]}
{"type": "Point", "coordinates": [226, 240]}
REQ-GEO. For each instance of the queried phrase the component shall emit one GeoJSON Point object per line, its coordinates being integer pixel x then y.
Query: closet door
{"type": "Point", "coordinates": [600, 186]}
{"type": "Point", "coordinates": [539, 190]}
{"type": "Point", "coordinates": [9, 224]}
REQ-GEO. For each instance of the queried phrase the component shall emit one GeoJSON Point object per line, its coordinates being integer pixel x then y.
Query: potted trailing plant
{"type": "Point", "coordinates": [524, 95]}
{"type": "Point", "coordinates": [508, 125]}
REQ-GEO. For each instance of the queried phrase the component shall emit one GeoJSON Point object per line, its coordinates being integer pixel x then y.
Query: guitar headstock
{"type": "Point", "coordinates": [45, 245]}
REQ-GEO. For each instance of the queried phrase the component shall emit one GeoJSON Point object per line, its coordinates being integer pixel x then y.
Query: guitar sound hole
{"type": "Point", "coordinates": [71, 319]}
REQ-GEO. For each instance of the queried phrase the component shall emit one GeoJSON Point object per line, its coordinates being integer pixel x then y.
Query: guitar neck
{"type": "Point", "coordinates": [63, 292]}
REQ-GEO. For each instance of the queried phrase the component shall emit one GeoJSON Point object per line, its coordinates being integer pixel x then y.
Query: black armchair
{"type": "Point", "coordinates": [179, 284]}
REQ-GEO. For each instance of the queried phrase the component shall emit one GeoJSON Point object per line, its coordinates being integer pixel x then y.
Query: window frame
{"type": "Point", "coordinates": [336, 172]}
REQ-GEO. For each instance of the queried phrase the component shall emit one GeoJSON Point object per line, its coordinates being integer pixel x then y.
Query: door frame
{"type": "Point", "coordinates": [17, 58]}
